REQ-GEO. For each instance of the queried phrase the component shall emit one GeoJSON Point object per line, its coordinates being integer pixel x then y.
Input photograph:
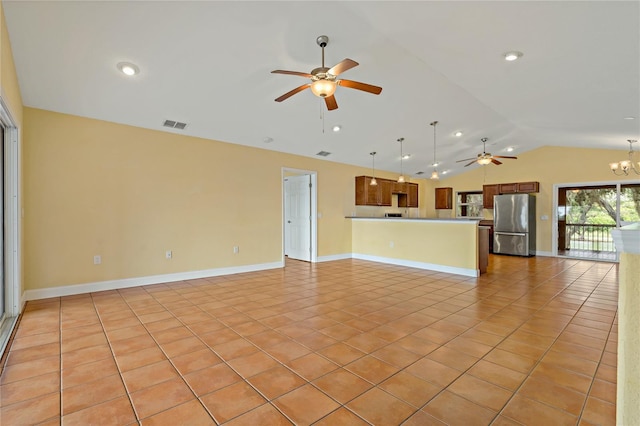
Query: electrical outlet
{"type": "Point", "coordinates": [236, 249]}
{"type": "Point", "coordinates": [391, 244]}
{"type": "Point", "coordinates": [97, 260]}
{"type": "Point", "coordinates": [168, 254]}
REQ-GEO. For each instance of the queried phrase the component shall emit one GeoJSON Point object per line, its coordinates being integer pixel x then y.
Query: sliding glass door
{"type": "Point", "coordinates": [587, 214]}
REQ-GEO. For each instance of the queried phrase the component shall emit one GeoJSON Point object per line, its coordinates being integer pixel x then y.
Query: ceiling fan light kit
{"type": "Point", "coordinates": [625, 166]}
{"type": "Point", "coordinates": [486, 157]}
{"type": "Point", "coordinates": [324, 80]}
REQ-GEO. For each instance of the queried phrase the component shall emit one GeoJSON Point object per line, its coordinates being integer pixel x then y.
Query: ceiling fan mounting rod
{"type": "Point", "coordinates": [322, 41]}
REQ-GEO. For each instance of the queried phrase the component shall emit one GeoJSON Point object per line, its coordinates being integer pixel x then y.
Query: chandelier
{"type": "Point", "coordinates": [623, 167]}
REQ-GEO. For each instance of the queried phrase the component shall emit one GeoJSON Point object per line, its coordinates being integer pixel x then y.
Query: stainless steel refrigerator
{"type": "Point", "coordinates": [514, 224]}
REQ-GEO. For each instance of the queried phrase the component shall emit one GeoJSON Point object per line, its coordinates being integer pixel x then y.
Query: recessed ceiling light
{"type": "Point", "coordinates": [435, 164]}
{"type": "Point", "coordinates": [445, 172]}
{"type": "Point", "coordinates": [509, 149]}
{"type": "Point", "coordinates": [629, 118]}
{"type": "Point", "coordinates": [337, 128]}
{"type": "Point", "coordinates": [513, 55]}
{"type": "Point", "coordinates": [458, 134]}
{"type": "Point", "coordinates": [406, 156]}
{"type": "Point", "coordinates": [128, 68]}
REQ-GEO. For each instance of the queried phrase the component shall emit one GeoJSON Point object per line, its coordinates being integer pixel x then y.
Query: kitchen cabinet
{"type": "Point", "coordinates": [528, 187]}
{"type": "Point", "coordinates": [399, 188]}
{"type": "Point", "coordinates": [367, 195]}
{"type": "Point", "coordinates": [444, 198]}
{"type": "Point", "coordinates": [385, 191]}
{"type": "Point", "coordinates": [380, 195]}
{"type": "Point", "coordinates": [519, 187]}
{"type": "Point", "coordinates": [508, 188]}
{"type": "Point", "coordinates": [410, 199]}
{"type": "Point", "coordinates": [488, 191]}
{"type": "Point", "coordinates": [489, 225]}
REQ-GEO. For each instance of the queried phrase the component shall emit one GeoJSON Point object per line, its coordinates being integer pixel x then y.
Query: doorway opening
{"type": "Point", "coordinates": [299, 218]}
{"type": "Point", "coordinates": [586, 214]}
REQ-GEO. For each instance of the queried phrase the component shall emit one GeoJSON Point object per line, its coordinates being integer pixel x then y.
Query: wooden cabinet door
{"type": "Point", "coordinates": [488, 191]}
{"type": "Point", "coordinates": [508, 188]}
{"type": "Point", "coordinates": [410, 199]}
{"type": "Point", "coordinates": [412, 195]}
{"type": "Point", "coordinates": [528, 187]}
{"type": "Point", "coordinates": [399, 188]}
{"type": "Point", "coordinates": [373, 192]}
{"type": "Point", "coordinates": [444, 198]}
{"type": "Point", "coordinates": [385, 186]}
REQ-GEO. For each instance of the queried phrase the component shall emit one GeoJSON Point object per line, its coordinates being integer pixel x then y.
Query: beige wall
{"type": "Point", "coordinates": [129, 194]}
{"type": "Point", "coordinates": [548, 165]}
{"type": "Point", "coordinates": [8, 78]}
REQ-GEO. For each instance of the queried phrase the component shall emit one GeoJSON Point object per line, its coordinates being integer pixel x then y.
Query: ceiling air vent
{"type": "Point", "coordinates": [323, 153]}
{"type": "Point", "coordinates": [174, 124]}
{"type": "Point", "coordinates": [419, 173]}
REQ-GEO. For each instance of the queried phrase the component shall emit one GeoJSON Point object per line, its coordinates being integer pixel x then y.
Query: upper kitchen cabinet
{"type": "Point", "coordinates": [372, 195]}
{"type": "Point", "coordinates": [444, 198]}
{"type": "Point", "coordinates": [488, 191]}
{"type": "Point", "coordinates": [399, 187]}
{"type": "Point", "coordinates": [410, 199]}
{"type": "Point", "coordinates": [519, 187]}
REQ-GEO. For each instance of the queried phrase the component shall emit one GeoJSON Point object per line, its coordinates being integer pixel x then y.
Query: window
{"type": "Point", "coordinates": [469, 204]}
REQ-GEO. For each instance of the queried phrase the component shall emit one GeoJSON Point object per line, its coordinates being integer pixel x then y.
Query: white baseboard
{"type": "Point", "coordinates": [69, 290]}
{"type": "Point", "coordinates": [419, 265]}
{"type": "Point", "coordinates": [544, 253]}
{"type": "Point", "coordinates": [334, 257]}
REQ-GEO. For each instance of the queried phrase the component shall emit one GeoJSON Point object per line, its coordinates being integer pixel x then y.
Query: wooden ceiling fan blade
{"type": "Point", "coordinates": [301, 74]}
{"type": "Point", "coordinates": [331, 102]}
{"type": "Point", "coordinates": [293, 92]}
{"type": "Point", "coordinates": [501, 156]}
{"type": "Point", "coordinates": [466, 159]}
{"type": "Point", "coordinates": [469, 163]}
{"type": "Point", "coordinates": [360, 86]}
{"type": "Point", "coordinates": [344, 65]}
{"type": "Point", "coordinates": [496, 162]}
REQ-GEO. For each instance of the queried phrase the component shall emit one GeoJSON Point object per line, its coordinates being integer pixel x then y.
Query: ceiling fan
{"type": "Point", "coordinates": [324, 80]}
{"type": "Point", "coordinates": [486, 157]}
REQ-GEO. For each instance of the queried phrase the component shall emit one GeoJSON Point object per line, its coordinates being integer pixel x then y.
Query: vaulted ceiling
{"type": "Point", "coordinates": [208, 64]}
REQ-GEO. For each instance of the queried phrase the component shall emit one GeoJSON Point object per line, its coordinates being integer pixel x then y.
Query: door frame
{"type": "Point", "coordinates": [288, 171]}
{"type": "Point", "coordinates": [554, 224]}
{"type": "Point", "coordinates": [12, 258]}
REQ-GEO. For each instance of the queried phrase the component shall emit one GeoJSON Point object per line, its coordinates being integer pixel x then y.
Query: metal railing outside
{"type": "Point", "coordinates": [590, 237]}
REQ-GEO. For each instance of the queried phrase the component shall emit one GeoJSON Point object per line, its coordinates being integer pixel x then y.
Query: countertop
{"type": "Point", "coordinates": [427, 219]}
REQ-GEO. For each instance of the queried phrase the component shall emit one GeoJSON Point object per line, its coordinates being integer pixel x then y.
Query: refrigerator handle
{"type": "Point", "coordinates": [518, 234]}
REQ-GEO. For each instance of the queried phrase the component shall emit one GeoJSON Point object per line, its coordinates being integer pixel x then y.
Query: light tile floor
{"type": "Point", "coordinates": [338, 343]}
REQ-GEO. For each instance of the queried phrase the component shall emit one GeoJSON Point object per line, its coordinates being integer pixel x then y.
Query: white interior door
{"type": "Point", "coordinates": [297, 206]}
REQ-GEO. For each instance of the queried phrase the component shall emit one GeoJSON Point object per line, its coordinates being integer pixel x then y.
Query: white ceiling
{"type": "Point", "coordinates": [208, 64]}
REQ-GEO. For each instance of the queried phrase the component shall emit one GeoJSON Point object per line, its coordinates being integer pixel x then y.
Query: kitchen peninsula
{"type": "Point", "coordinates": [444, 245]}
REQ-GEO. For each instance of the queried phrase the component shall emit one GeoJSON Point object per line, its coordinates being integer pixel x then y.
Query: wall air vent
{"type": "Point", "coordinates": [174, 124]}
{"type": "Point", "coordinates": [323, 153]}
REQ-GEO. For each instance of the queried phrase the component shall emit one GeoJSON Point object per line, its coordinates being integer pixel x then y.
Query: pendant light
{"type": "Point", "coordinates": [434, 174]}
{"type": "Point", "coordinates": [373, 182]}
{"type": "Point", "coordinates": [401, 177]}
